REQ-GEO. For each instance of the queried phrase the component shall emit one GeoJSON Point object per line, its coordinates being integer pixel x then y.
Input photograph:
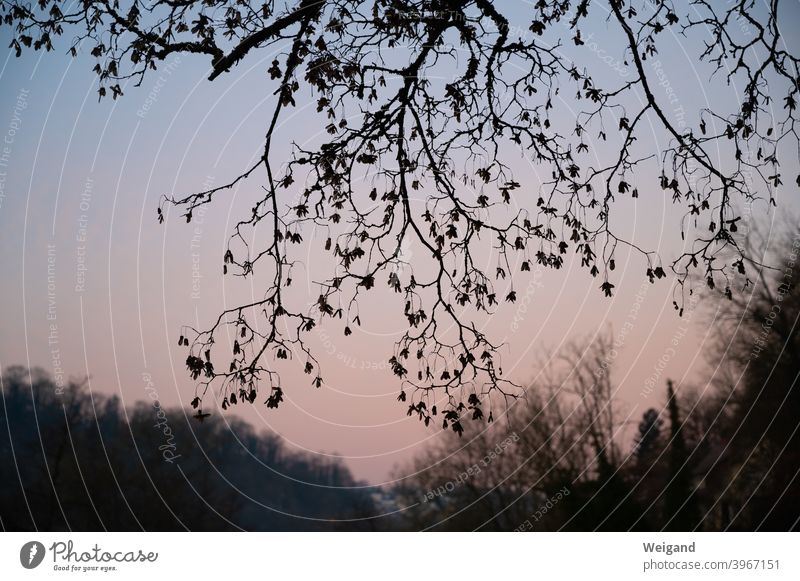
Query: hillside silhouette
{"type": "Point", "coordinates": [77, 460]}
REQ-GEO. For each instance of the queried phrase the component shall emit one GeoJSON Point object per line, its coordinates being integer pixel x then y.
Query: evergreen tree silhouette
{"type": "Point", "coordinates": [680, 506]}
{"type": "Point", "coordinates": [649, 435]}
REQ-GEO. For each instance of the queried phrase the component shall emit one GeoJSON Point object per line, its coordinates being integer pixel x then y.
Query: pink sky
{"type": "Point", "coordinates": [94, 286]}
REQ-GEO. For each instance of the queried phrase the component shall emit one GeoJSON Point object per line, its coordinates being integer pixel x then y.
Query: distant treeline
{"type": "Point", "coordinates": [719, 452]}
{"type": "Point", "coordinates": [75, 460]}
{"type": "Point", "coordinates": [722, 453]}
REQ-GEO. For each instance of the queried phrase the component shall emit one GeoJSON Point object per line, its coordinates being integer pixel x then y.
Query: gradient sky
{"type": "Point", "coordinates": [81, 186]}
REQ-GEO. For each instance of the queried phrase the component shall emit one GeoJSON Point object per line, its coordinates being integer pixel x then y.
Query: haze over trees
{"type": "Point", "coordinates": [436, 99]}
{"type": "Point", "coordinates": [717, 453]}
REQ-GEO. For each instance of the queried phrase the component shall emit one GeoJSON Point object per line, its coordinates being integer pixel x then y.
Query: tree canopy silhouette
{"type": "Point", "coordinates": [438, 97]}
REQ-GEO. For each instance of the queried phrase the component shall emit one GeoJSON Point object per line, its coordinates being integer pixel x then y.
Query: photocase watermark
{"type": "Point", "coordinates": [622, 335]}
{"type": "Point", "coordinates": [67, 559]}
{"type": "Point", "coordinates": [95, 559]}
{"type": "Point", "coordinates": [431, 15]}
{"type": "Point", "coordinates": [195, 243]}
{"type": "Point", "coordinates": [53, 342]}
{"type": "Point", "coordinates": [152, 96]}
{"type": "Point", "coordinates": [349, 361]}
{"type": "Point", "coordinates": [82, 234]}
{"type": "Point", "coordinates": [168, 448]}
{"type": "Point", "coordinates": [745, 24]}
{"type": "Point", "coordinates": [651, 382]}
{"type": "Point", "coordinates": [521, 33]}
{"type": "Point", "coordinates": [8, 139]}
{"type": "Point", "coordinates": [783, 288]}
{"type": "Point", "coordinates": [689, 164]}
{"type": "Point", "coordinates": [748, 176]}
{"type": "Point", "coordinates": [672, 97]}
{"type": "Point", "coordinates": [613, 63]}
{"type": "Point", "coordinates": [525, 300]}
{"type": "Point", "coordinates": [32, 554]}
{"type": "Point", "coordinates": [543, 509]}
{"type": "Point", "coordinates": [472, 470]}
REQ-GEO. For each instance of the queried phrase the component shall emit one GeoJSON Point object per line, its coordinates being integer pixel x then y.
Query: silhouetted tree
{"type": "Point", "coordinates": [646, 468]}
{"type": "Point", "coordinates": [559, 438]}
{"type": "Point", "coordinates": [649, 435]}
{"type": "Point", "coordinates": [699, 475]}
{"type": "Point", "coordinates": [446, 93]}
{"type": "Point", "coordinates": [680, 504]}
{"type": "Point", "coordinates": [750, 476]}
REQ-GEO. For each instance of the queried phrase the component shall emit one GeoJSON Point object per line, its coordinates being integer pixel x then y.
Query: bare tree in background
{"type": "Point", "coordinates": [439, 97]}
{"type": "Point", "coordinates": [749, 428]}
{"type": "Point", "coordinates": [562, 436]}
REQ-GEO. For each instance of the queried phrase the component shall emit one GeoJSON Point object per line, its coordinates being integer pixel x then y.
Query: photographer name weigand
{"type": "Point", "coordinates": [667, 548]}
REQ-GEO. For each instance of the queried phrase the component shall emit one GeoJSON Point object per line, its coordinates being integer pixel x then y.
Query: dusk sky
{"type": "Point", "coordinates": [94, 286]}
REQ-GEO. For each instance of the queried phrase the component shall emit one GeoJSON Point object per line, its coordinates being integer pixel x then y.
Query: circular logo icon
{"type": "Point", "coordinates": [31, 554]}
